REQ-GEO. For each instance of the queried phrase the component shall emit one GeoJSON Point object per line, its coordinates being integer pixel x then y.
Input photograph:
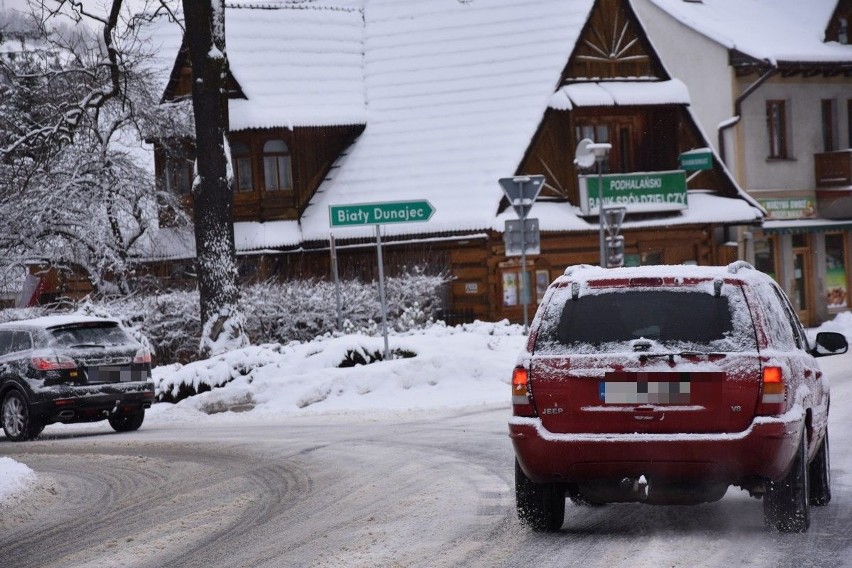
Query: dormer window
{"type": "Point", "coordinates": [277, 175]}
{"type": "Point", "coordinates": [241, 157]}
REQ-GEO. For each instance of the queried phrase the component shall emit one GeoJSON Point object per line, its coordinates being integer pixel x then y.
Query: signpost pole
{"type": "Point", "coordinates": [382, 291]}
{"type": "Point", "coordinates": [336, 282]}
{"type": "Point", "coordinates": [360, 214]}
{"type": "Point", "coordinates": [525, 295]}
{"type": "Point", "coordinates": [601, 244]}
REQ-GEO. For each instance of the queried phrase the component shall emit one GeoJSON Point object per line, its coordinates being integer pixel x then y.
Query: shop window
{"type": "Point", "coordinates": [799, 240]}
{"type": "Point", "coordinates": [277, 175]}
{"type": "Point", "coordinates": [241, 159]}
{"type": "Point", "coordinates": [513, 289]}
{"type": "Point", "coordinates": [835, 270]}
{"type": "Point", "coordinates": [776, 120]}
{"type": "Point", "coordinates": [764, 256]}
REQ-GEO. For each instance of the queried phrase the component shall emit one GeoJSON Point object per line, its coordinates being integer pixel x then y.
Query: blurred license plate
{"type": "Point", "coordinates": [115, 374]}
{"type": "Point", "coordinates": [644, 392]}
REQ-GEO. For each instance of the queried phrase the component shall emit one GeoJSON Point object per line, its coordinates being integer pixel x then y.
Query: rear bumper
{"type": "Point", "coordinates": [765, 449]}
{"type": "Point", "coordinates": [90, 404]}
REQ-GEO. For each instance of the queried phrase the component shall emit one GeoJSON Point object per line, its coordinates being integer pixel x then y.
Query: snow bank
{"type": "Point", "coordinates": [14, 477]}
{"type": "Point", "coordinates": [433, 368]}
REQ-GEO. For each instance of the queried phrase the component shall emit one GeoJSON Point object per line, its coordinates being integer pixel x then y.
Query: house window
{"type": "Point", "coordinates": [177, 175]}
{"type": "Point", "coordinates": [276, 166]}
{"type": "Point", "coordinates": [849, 122]}
{"type": "Point", "coordinates": [829, 132]}
{"type": "Point", "coordinates": [776, 119]}
{"type": "Point", "coordinates": [241, 158]}
{"type": "Point", "coordinates": [616, 130]}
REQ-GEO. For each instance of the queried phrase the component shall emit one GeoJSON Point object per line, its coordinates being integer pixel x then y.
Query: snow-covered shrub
{"type": "Point", "coordinates": [169, 323]}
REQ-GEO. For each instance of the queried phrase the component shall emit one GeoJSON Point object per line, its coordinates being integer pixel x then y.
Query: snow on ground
{"type": "Point", "coordinates": [462, 366]}
{"type": "Point", "coordinates": [437, 367]}
{"type": "Point", "coordinates": [14, 477]}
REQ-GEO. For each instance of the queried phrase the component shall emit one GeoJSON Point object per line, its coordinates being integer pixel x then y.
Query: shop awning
{"type": "Point", "coordinates": [806, 226]}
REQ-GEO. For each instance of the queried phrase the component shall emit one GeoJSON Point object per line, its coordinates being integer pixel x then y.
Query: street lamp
{"type": "Point", "coordinates": [600, 150]}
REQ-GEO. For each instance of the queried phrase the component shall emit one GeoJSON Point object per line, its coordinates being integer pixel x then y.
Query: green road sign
{"type": "Point", "coordinates": [638, 192]}
{"type": "Point", "coordinates": [356, 214]}
{"type": "Point", "coordinates": [695, 160]}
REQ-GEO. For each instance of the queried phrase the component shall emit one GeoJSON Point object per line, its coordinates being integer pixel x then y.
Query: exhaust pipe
{"type": "Point", "coordinates": [65, 414]}
{"type": "Point", "coordinates": [638, 487]}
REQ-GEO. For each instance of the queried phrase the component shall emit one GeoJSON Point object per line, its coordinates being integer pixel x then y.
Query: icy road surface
{"type": "Point", "coordinates": [430, 489]}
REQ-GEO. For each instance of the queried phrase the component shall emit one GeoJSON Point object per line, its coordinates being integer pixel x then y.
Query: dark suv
{"type": "Point", "coordinates": [667, 385]}
{"type": "Point", "coordinates": [71, 369]}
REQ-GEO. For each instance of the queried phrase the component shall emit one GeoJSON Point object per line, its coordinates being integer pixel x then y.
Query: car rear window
{"type": "Point", "coordinates": [90, 335]}
{"type": "Point", "coordinates": [681, 320]}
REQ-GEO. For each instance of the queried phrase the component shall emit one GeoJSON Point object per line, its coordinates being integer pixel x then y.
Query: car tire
{"type": "Point", "coordinates": [127, 422]}
{"type": "Point", "coordinates": [18, 422]}
{"type": "Point", "coordinates": [819, 475]}
{"type": "Point", "coordinates": [786, 503]}
{"type": "Point", "coordinates": [541, 506]}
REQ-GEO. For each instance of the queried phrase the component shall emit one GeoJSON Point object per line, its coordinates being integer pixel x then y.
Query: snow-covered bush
{"type": "Point", "coordinates": [275, 312]}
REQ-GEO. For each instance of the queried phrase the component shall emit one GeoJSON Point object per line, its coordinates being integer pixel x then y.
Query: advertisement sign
{"type": "Point", "coordinates": [639, 192]}
{"type": "Point", "coordinates": [789, 207]}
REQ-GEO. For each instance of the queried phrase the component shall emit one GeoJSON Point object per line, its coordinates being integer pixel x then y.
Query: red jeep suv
{"type": "Point", "coordinates": [667, 385]}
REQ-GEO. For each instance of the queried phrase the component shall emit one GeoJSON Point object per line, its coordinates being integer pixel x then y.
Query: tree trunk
{"type": "Point", "coordinates": [214, 233]}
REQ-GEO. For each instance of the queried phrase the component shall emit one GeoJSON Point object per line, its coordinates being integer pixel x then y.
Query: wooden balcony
{"type": "Point", "coordinates": [833, 169]}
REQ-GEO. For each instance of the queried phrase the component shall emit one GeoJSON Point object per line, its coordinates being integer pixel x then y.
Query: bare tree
{"type": "Point", "coordinates": [214, 235]}
{"type": "Point", "coordinates": [108, 93]}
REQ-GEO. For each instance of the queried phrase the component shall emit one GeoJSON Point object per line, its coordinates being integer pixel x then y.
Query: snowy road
{"type": "Point", "coordinates": [431, 489]}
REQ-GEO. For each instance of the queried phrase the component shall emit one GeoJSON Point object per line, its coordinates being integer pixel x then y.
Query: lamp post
{"type": "Point", "coordinates": [600, 151]}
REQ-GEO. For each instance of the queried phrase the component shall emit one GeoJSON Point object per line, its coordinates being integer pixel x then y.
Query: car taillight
{"type": "Point", "coordinates": [521, 402]}
{"type": "Point", "coordinates": [772, 393]}
{"type": "Point", "coordinates": [142, 356]}
{"type": "Point", "coordinates": [52, 362]}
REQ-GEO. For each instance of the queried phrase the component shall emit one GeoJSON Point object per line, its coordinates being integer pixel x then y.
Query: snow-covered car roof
{"type": "Point", "coordinates": [739, 270]}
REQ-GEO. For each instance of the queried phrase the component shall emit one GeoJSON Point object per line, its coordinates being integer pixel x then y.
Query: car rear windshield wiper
{"type": "Point", "coordinates": [87, 346]}
{"type": "Point", "coordinates": [670, 356]}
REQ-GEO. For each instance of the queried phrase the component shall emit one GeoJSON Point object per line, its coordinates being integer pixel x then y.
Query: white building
{"type": "Point", "coordinates": [771, 84]}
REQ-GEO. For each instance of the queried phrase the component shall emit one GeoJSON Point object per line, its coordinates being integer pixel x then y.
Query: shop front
{"type": "Point", "coordinates": [810, 259]}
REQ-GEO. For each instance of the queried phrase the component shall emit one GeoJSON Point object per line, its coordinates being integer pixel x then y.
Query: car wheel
{"type": "Point", "coordinates": [786, 502]}
{"type": "Point", "coordinates": [18, 422]}
{"type": "Point", "coordinates": [819, 475]}
{"type": "Point", "coordinates": [541, 506]}
{"type": "Point", "coordinates": [127, 422]}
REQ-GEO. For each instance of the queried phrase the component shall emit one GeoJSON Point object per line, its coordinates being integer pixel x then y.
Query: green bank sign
{"type": "Point", "coordinates": [640, 192]}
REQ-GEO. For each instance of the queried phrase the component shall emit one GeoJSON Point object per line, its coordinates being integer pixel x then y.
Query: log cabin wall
{"type": "Point", "coordinates": [310, 151]}
{"type": "Point", "coordinates": [560, 250]}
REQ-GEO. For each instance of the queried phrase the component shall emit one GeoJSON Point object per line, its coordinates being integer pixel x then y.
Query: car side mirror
{"type": "Point", "coordinates": [830, 343]}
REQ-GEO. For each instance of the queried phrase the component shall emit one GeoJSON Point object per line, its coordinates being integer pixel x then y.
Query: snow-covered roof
{"type": "Point", "coordinates": [170, 243]}
{"type": "Point", "coordinates": [455, 92]}
{"type": "Point", "coordinates": [612, 93]}
{"type": "Point", "coordinates": [299, 65]}
{"type": "Point", "coordinates": [704, 207]}
{"type": "Point", "coordinates": [771, 30]}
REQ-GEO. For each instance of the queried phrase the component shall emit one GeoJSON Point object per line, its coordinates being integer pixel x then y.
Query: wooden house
{"type": "Point", "coordinates": [366, 101]}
